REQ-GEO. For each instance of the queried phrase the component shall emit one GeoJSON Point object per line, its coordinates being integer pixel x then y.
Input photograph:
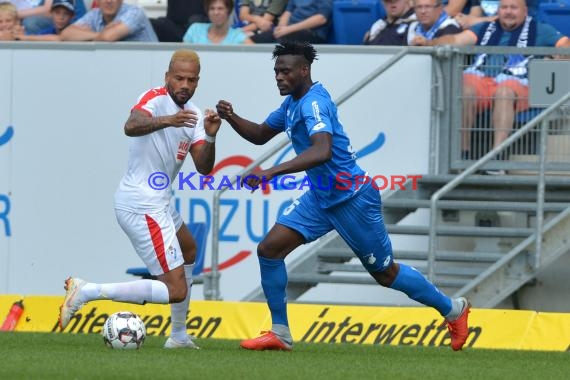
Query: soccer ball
{"type": "Point", "coordinates": [124, 330]}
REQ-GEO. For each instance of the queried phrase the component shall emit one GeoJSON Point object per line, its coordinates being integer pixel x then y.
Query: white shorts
{"type": "Point", "coordinates": [153, 236]}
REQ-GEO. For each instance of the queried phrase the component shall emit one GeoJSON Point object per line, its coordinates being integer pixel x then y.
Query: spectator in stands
{"type": "Point", "coordinates": [506, 91]}
{"type": "Point", "coordinates": [478, 13]}
{"type": "Point", "coordinates": [9, 21]}
{"type": "Point", "coordinates": [486, 11]}
{"type": "Point", "coordinates": [219, 29]}
{"type": "Point", "coordinates": [62, 12]}
{"type": "Point", "coordinates": [455, 7]}
{"type": "Point", "coordinates": [433, 22]}
{"type": "Point", "coordinates": [112, 21]}
{"type": "Point", "coordinates": [180, 14]}
{"type": "Point", "coordinates": [35, 14]}
{"type": "Point", "coordinates": [260, 15]}
{"type": "Point", "coordinates": [393, 29]}
{"type": "Point", "coordinates": [303, 20]}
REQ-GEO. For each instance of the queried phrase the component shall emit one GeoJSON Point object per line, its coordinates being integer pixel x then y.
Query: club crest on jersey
{"type": "Point", "coordinates": [183, 147]}
{"type": "Point", "coordinates": [370, 259]}
{"type": "Point", "coordinates": [171, 251]}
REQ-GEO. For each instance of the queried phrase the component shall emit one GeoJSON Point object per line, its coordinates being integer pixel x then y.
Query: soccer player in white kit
{"type": "Point", "coordinates": [164, 127]}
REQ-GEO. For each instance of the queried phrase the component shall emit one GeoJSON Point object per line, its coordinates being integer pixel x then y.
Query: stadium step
{"type": "Point", "coordinates": [471, 271]}
{"type": "Point", "coordinates": [365, 279]}
{"type": "Point", "coordinates": [472, 205]}
{"type": "Point", "coordinates": [396, 229]}
{"type": "Point", "coordinates": [337, 254]}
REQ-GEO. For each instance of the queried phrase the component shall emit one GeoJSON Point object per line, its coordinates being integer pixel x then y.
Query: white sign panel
{"type": "Point", "coordinates": [550, 81]}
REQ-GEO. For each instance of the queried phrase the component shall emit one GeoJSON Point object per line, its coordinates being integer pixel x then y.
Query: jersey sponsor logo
{"type": "Point", "coordinates": [316, 111]}
{"type": "Point", "coordinates": [183, 147]}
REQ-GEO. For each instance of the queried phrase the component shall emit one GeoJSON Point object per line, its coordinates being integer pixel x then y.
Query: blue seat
{"type": "Point", "coordinates": [352, 18]}
{"type": "Point", "coordinates": [237, 23]}
{"type": "Point", "coordinates": [524, 117]}
{"type": "Point", "coordinates": [200, 233]}
{"type": "Point", "coordinates": [556, 14]}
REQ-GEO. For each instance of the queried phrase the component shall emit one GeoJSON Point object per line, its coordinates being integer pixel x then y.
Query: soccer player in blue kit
{"type": "Point", "coordinates": [308, 116]}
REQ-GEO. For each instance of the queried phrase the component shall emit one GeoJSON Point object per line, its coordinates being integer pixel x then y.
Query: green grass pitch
{"type": "Point", "coordinates": [84, 356]}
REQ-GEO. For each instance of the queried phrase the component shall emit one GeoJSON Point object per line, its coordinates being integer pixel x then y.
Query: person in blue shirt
{"type": "Point", "coordinates": [303, 20]}
{"type": "Point", "coordinates": [114, 20]}
{"type": "Point", "coordinates": [338, 199]}
{"type": "Point", "coordinates": [219, 29]}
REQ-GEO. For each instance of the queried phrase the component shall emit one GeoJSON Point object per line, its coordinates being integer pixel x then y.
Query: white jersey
{"type": "Point", "coordinates": [162, 151]}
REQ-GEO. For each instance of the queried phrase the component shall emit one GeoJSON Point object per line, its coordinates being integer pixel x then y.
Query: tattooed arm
{"type": "Point", "coordinates": [141, 123]}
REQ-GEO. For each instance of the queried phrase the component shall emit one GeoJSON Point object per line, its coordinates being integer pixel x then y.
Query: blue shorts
{"type": "Point", "coordinates": [358, 221]}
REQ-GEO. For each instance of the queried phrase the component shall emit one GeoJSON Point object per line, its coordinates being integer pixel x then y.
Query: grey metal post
{"type": "Point", "coordinates": [540, 193]}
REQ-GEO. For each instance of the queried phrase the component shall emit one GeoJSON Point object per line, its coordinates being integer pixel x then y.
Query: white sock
{"type": "Point", "coordinates": [283, 333]}
{"type": "Point", "coordinates": [457, 306]}
{"type": "Point", "coordinates": [139, 292]}
{"type": "Point", "coordinates": [179, 311]}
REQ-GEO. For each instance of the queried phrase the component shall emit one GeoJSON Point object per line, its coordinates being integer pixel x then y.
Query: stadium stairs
{"type": "Point", "coordinates": [485, 238]}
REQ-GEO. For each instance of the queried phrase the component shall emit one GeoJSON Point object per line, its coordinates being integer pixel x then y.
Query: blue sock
{"type": "Point", "coordinates": [418, 288]}
{"type": "Point", "coordinates": [274, 284]}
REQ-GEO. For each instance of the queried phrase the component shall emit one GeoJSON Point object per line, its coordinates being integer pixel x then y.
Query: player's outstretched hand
{"type": "Point", "coordinates": [225, 109]}
{"type": "Point", "coordinates": [184, 118]}
{"type": "Point", "coordinates": [212, 122]}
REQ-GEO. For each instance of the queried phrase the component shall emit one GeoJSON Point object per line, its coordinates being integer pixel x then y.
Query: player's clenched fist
{"type": "Point", "coordinates": [225, 109]}
{"type": "Point", "coordinates": [212, 122]}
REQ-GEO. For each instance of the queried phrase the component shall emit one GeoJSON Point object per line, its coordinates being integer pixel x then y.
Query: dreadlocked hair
{"type": "Point", "coordinates": [296, 48]}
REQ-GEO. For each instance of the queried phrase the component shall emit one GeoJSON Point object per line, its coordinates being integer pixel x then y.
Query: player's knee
{"type": "Point", "coordinates": [189, 255]}
{"type": "Point", "coordinates": [177, 293]}
{"type": "Point", "coordinates": [264, 250]}
{"type": "Point", "coordinates": [387, 276]}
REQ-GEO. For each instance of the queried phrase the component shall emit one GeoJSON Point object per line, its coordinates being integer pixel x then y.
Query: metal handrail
{"type": "Point", "coordinates": [493, 153]}
{"type": "Point", "coordinates": [212, 279]}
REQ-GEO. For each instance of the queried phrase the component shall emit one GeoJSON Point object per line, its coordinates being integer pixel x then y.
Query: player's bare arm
{"type": "Point", "coordinates": [257, 134]}
{"type": "Point", "coordinates": [319, 153]}
{"type": "Point", "coordinates": [141, 123]}
{"type": "Point", "coordinates": [204, 155]}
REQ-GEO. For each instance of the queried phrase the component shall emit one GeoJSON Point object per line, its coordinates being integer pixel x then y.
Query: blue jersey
{"type": "Point", "coordinates": [333, 181]}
